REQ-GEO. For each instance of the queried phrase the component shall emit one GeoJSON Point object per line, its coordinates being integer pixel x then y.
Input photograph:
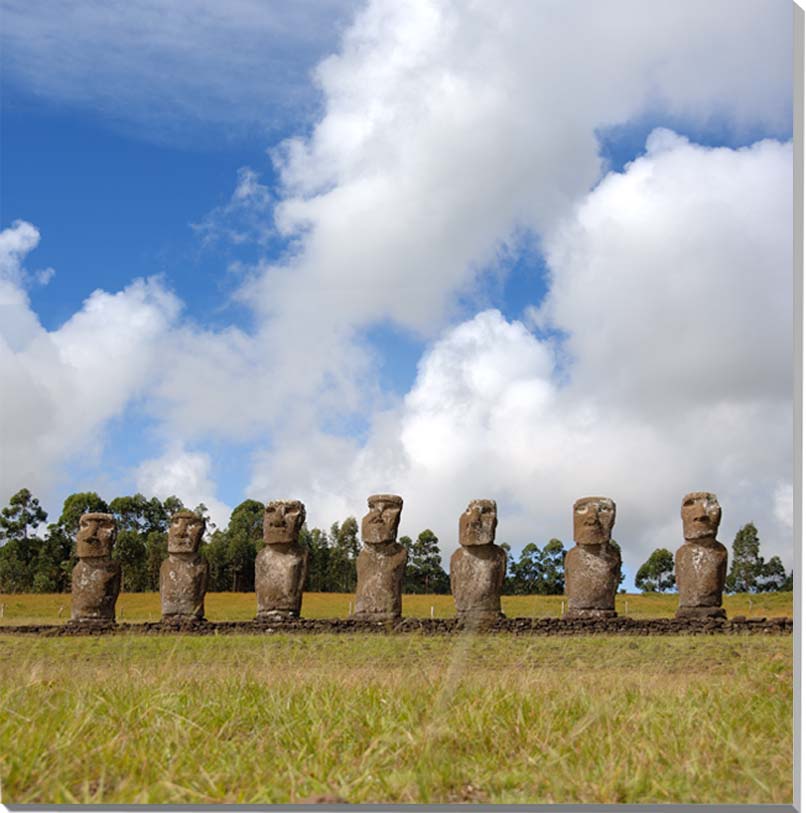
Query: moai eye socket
{"type": "Point", "coordinates": [688, 503]}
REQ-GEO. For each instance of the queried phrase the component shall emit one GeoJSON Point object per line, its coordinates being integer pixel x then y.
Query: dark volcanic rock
{"type": "Point", "coordinates": [593, 565]}
{"type": "Point", "coordinates": [381, 564]}
{"type": "Point", "coordinates": [701, 563]}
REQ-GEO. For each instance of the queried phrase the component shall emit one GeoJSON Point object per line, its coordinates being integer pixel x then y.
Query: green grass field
{"type": "Point", "coordinates": [369, 718]}
{"type": "Point", "coordinates": [54, 608]}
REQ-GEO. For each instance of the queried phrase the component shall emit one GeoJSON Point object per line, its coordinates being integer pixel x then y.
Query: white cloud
{"type": "Point", "coordinates": [246, 217]}
{"type": "Point", "coordinates": [672, 282]}
{"type": "Point", "coordinates": [446, 130]}
{"type": "Point", "coordinates": [60, 387]}
{"type": "Point", "coordinates": [186, 475]}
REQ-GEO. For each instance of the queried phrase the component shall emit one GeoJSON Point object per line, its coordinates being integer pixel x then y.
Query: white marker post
{"type": "Point", "coordinates": [562, 608]}
{"type": "Point", "coordinates": [432, 611]}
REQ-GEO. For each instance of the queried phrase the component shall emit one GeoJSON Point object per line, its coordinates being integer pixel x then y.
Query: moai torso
{"type": "Point", "coordinates": [379, 589]}
{"type": "Point", "coordinates": [478, 567]}
{"type": "Point", "coordinates": [593, 565]}
{"type": "Point", "coordinates": [701, 563]}
{"type": "Point", "coordinates": [96, 577]}
{"type": "Point", "coordinates": [282, 564]}
{"type": "Point", "coordinates": [183, 575]}
{"type": "Point", "coordinates": [381, 564]}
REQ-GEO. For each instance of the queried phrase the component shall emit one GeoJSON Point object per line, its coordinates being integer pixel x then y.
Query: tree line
{"type": "Point", "coordinates": [749, 572]}
{"type": "Point", "coordinates": [34, 562]}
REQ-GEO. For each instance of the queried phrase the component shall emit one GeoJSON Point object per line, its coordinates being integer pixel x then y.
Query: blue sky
{"type": "Point", "coordinates": [351, 211]}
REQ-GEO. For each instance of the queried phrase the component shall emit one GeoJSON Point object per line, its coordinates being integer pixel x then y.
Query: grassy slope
{"type": "Point", "coordinates": [396, 719]}
{"type": "Point", "coordinates": [54, 608]}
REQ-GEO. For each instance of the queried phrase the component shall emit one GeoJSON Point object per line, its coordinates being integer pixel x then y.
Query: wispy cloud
{"type": "Point", "coordinates": [164, 69]}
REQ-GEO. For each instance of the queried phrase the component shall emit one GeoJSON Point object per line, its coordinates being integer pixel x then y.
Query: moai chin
{"type": "Point", "coordinates": [701, 563]}
{"type": "Point", "coordinates": [183, 575]}
{"type": "Point", "coordinates": [282, 564]}
{"type": "Point", "coordinates": [478, 567]}
{"type": "Point", "coordinates": [593, 565]}
{"type": "Point", "coordinates": [96, 577]}
{"type": "Point", "coordinates": [381, 564]}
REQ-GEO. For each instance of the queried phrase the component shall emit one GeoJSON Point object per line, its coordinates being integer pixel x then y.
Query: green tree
{"type": "Point", "coordinates": [621, 572]}
{"type": "Point", "coordinates": [130, 550]}
{"type": "Point", "coordinates": [746, 566]}
{"type": "Point", "coordinates": [657, 573]}
{"type": "Point", "coordinates": [22, 516]}
{"type": "Point", "coordinates": [244, 539]}
{"type": "Point", "coordinates": [20, 550]}
{"type": "Point", "coordinates": [527, 571]}
{"type": "Point", "coordinates": [424, 573]}
{"type": "Point", "coordinates": [156, 544]}
{"type": "Point", "coordinates": [216, 553]}
{"type": "Point", "coordinates": [773, 577]}
{"type": "Point", "coordinates": [318, 544]}
{"type": "Point", "coordinates": [553, 567]}
{"type": "Point", "coordinates": [83, 502]}
{"type": "Point", "coordinates": [344, 548]}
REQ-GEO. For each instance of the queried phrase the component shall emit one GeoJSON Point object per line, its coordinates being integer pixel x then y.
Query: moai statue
{"type": "Point", "coordinates": [593, 565]}
{"type": "Point", "coordinates": [183, 575]}
{"type": "Point", "coordinates": [381, 564]}
{"type": "Point", "coordinates": [701, 563]}
{"type": "Point", "coordinates": [478, 567]}
{"type": "Point", "coordinates": [96, 577]}
{"type": "Point", "coordinates": [281, 566]}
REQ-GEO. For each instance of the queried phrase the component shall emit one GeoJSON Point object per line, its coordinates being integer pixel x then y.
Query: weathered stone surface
{"type": "Point", "coordinates": [282, 564]}
{"type": "Point", "coordinates": [593, 565]}
{"type": "Point", "coordinates": [183, 575]}
{"type": "Point", "coordinates": [381, 564]}
{"type": "Point", "coordinates": [478, 567]}
{"type": "Point", "coordinates": [96, 577]}
{"type": "Point", "coordinates": [701, 563]}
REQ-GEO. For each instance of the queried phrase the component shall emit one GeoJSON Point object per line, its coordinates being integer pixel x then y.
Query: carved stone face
{"type": "Point", "coordinates": [282, 522]}
{"type": "Point", "coordinates": [185, 532]}
{"type": "Point", "coordinates": [478, 523]}
{"type": "Point", "coordinates": [380, 524]}
{"type": "Point", "coordinates": [96, 535]}
{"type": "Point", "coordinates": [593, 520]}
{"type": "Point", "coordinates": [701, 515]}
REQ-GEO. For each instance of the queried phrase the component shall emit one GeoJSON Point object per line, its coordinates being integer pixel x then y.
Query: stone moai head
{"type": "Point", "coordinates": [478, 523]}
{"type": "Point", "coordinates": [593, 520]}
{"type": "Point", "coordinates": [701, 515]}
{"type": "Point", "coordinates": [380, 523]}
{"type": "Point", "coordinates": [282, 522]}
{"type": "Point", "coordinates": [96, 535]}
{"type": "Point", "coordinates": [185, 532]}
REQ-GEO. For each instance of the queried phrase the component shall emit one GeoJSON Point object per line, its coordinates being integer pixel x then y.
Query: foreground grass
{"type": "Point", "coordinates": [396, 719]}
{"type": "Point", "coordinates": [54, 608]}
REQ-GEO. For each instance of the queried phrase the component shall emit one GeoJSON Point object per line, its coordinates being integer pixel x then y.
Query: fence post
{"type": "Point", "coordinates": [562, 608]}
{"type": "Point", "coordinates": [432, 611]}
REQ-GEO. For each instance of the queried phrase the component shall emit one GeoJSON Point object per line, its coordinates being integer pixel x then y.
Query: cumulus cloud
{"type": "Point", "coordinates": [61, 386]}
{"type": "Point", "coordinates": [670, 284]}
{"type": "Point", "coordinates": [446, 131]}
{"type": "Point", "coordinates": [186, 475]}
